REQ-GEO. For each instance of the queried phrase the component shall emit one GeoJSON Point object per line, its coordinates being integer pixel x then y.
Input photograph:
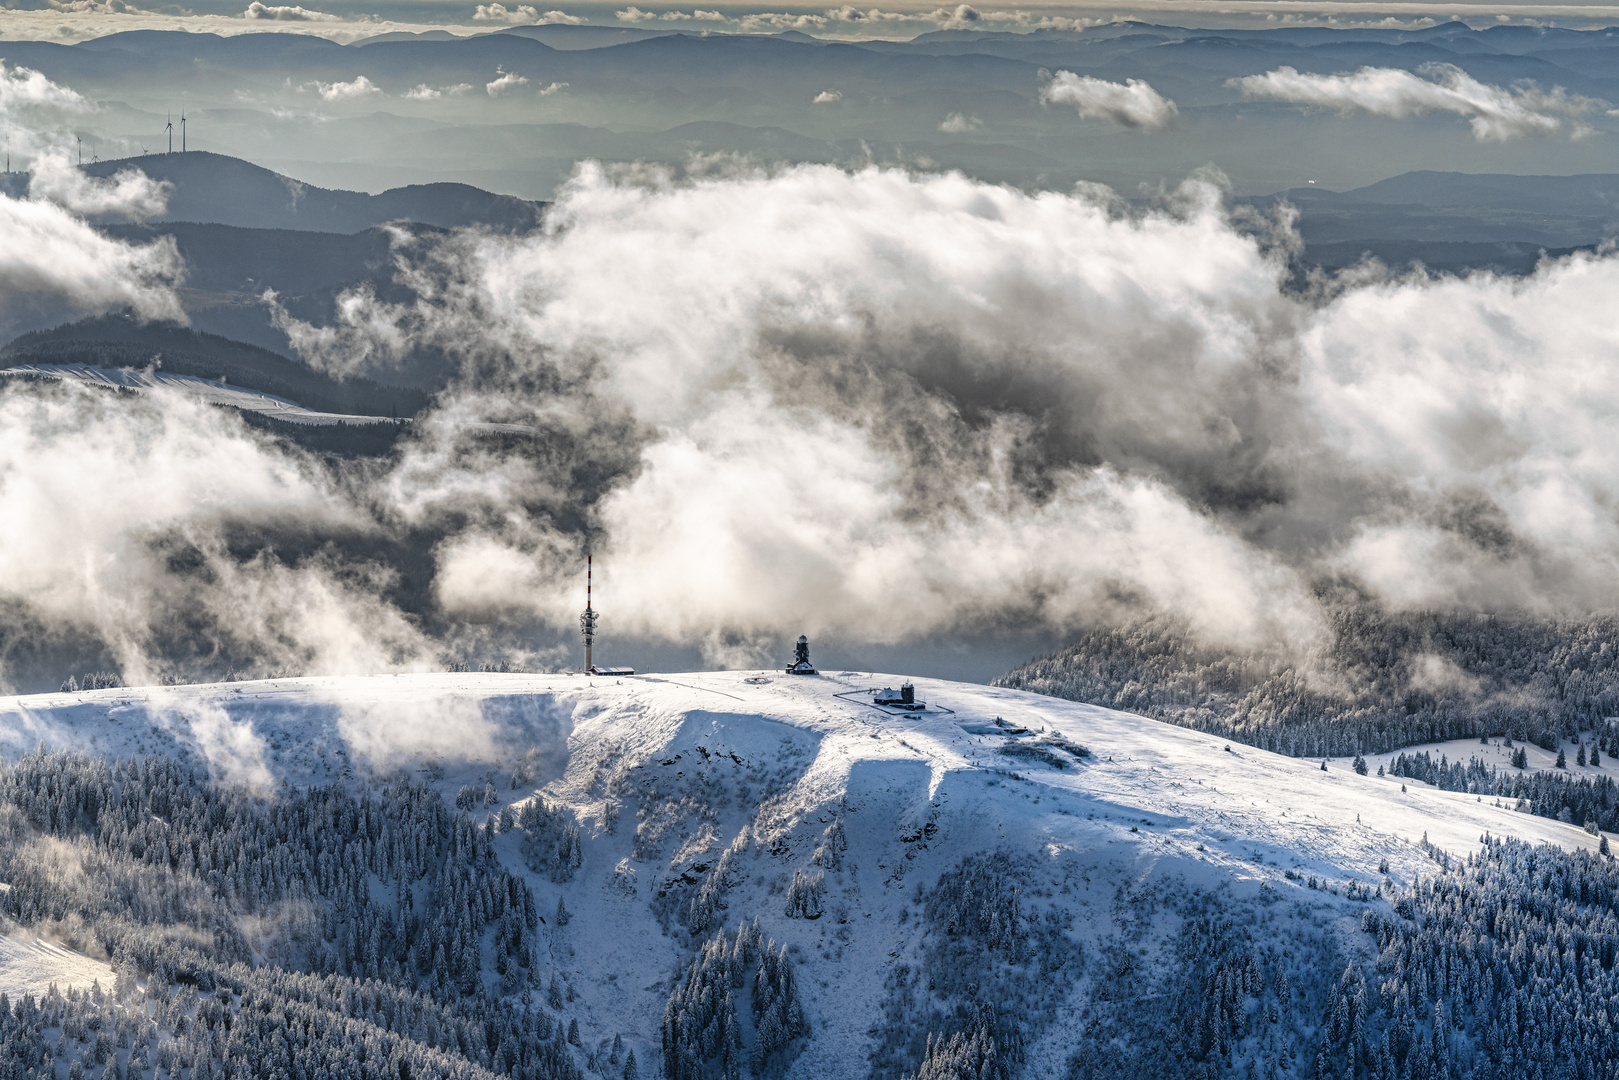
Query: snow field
{"type": "Point", "coordinates": [32, 964]}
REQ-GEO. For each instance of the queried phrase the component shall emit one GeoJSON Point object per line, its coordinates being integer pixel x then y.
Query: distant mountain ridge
{"type": "Point", "coordinates": [297, 102]}
{"type": "Point", "coordinates": [1450, 208]}
{"type": "Point", "coordinates": [120, 341]}
{"type": "Point", "coordinates": [212, 188]}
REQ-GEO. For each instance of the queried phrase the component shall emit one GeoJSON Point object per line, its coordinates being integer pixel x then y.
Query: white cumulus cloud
{"type": "Point", "coordinates": [827, 97]}
{"type": "Point", "coordinates": [285, 13]}
{"type": "Point", "coordinates": [1132, 103]}
{"type": "Point", "coordinates": [503, 81]}
{"type": "Point", "coordinates": [357, 87]}
{"type": "Point", "coordinates": [523, 13]}
{"type": "Point", "coordinates": [960, 124]}
{"type": "Point", "coordinates": [1495, 113]}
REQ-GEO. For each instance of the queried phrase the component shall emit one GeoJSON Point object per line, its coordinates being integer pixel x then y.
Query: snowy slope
{"type": "Point", "coordinates": [704, 755]}
{"type": "Point", "coordinates": [32, 964]}
{"type": "Point", "coordinates": [1498, 755]}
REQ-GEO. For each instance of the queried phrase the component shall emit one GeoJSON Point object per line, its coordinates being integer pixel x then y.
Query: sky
{"type": "Point", "coordinates": [72, 20]}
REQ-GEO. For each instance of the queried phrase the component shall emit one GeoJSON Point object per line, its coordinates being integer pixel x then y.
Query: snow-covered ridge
{"type": "Point", "coordinates": [746, 775]}
{"type": "Point", "coordinates": [464, 724]}
{"type": "Point", "coordinates": [213, 392]}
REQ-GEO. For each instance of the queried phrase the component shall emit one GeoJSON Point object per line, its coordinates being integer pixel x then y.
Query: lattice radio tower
{"type": "Point", "coordinates": [587, 620]}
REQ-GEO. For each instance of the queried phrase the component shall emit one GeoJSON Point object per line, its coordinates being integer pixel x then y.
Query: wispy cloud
{"type": "Point", "coordinates": [1133, 103]}
{"type": "Point", "coordinates": [827, 97]}
{"type": "Point", "coordinates": [1495, 113]}
{"type": "Point", "coordinates": [23, 88]}
{"type": "Point", "coordinates": [635, 14]}
{"type": "Point", "coordinates": [423, 92]}
{"type": "Point", "coordinates": [46, 249]}
{"type": "Point", "coordinates": [97, 7]}
{"type": "Point", "coordinates": [130, 193]}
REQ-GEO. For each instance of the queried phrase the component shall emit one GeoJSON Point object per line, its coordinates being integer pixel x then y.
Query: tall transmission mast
{"type": "Point", "coordinates": [587, 620]}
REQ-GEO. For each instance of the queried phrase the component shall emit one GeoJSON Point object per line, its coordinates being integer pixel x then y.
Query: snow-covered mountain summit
{"type": "Point", "coordinates": [648, 814]}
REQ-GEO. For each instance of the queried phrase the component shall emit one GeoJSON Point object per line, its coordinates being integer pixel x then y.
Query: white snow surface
{"type": "Point", "coordinates": [31, 964]}
{"type": "Point", "coordinates": [1154, 806]}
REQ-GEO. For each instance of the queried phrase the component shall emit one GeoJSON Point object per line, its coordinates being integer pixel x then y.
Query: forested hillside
{"type": "Point", "coordinates": [247, 944]}
{"type": "Point", "coordinates": [1382, 682]}
{"type": "Point", "coordinates": [321, 933]}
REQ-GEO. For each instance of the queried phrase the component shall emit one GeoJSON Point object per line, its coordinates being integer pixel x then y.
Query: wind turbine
{"type": "Point", "coordinates": [169, 127]}
{"type": "Point", "coordinates": [182, 131]}
{"type": "Point", "coordinates": [80, 140]}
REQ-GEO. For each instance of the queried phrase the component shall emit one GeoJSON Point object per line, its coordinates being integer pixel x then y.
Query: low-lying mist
{"type": "Point", "coordinates": [879, 407]}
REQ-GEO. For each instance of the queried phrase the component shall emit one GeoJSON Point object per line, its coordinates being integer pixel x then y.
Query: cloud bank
{"type": "Point", "coordinates": [1496, 114]}
{"type": "Point", "coordinates": [891, 405]}
{"type": "Point", "coordinates": [1133, 103]}
{"type": "Point", "coordinates": [873, 404]}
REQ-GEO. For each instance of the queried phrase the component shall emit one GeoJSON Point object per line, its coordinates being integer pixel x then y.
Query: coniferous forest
{"type": "Point", "coordinates": [402, 949]}
{"type": "Point", "coordinates": [370, 929]}
{"type": "Point", "coordinates": [1377, 682]}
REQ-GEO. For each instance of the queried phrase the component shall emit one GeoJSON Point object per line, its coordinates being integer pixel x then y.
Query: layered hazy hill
{"type": "Point", "coordinates": [214, 189]}
{"type": "Point", "coordinates": [244, 230]}
{"type": "Point", "coordinates": [511, 111]}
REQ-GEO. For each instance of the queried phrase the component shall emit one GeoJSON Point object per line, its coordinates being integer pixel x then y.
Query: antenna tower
{"type": "Point", "coordinates": [587, 621]}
